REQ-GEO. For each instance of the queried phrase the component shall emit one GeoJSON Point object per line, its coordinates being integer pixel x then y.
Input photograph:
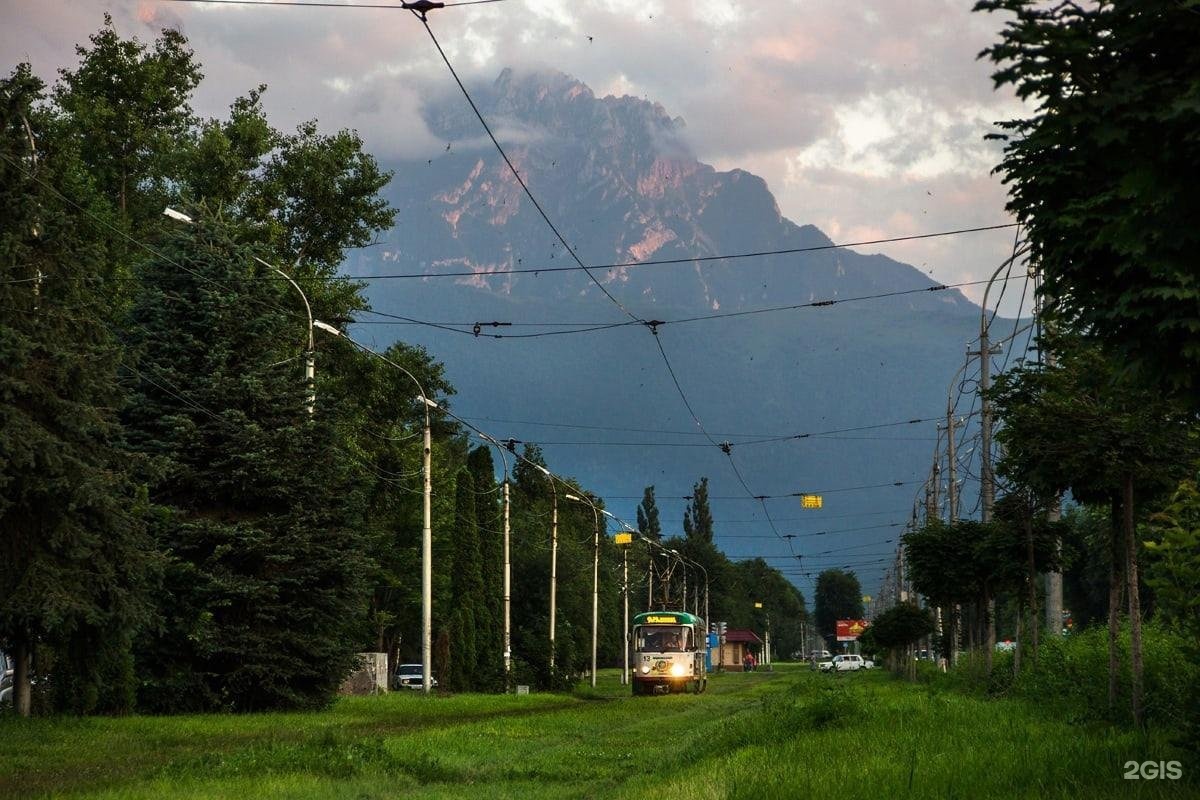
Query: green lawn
{"type": "Point", "coordinates": [785, 734]}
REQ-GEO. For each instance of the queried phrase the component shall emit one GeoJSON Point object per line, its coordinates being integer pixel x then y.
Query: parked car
{"type": "Point", "coordinates": [868, 664]}
{"type": "Point", "coordinates": [6, 681]}
{"type": "Point", "coordinates": [819, 661]}
{"type": "Point", "coordinates": [408, 676]}
{"type": "Point", "coordinates": [850, 662]}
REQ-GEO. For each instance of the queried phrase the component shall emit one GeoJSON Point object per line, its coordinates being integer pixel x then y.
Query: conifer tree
{"type": "Point", "coordinates": [263, 591]}
{"type": "Point", "coordinates": [74, 559]}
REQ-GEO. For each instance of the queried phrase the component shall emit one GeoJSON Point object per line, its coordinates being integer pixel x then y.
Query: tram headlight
{"type": "Point", "coordinates": [645, 668]}
{"type": "Point", "coordinates": [678, 670]}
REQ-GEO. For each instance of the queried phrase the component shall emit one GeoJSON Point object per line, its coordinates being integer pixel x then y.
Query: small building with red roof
{"type": "Point", "coordinates": [738, 642]}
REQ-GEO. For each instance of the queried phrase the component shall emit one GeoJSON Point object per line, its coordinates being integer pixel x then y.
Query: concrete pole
{"type": "Point", "coordinates": [553, 571]}
{"type": "Point", "coordinates": [427, 560]}
{"type": "Point", "coordinates": [625, 615]}
{"type": "Point", "coordinates": [595, 587]}
{"type": "Point", "coordinates": [507, 585]}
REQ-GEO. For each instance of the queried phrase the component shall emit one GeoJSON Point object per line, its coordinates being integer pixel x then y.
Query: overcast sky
{"type": "Point", "coordinates": [866, 119]}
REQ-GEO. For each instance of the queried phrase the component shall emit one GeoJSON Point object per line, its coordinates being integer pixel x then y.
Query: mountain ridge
{"type": "Point", "coordinates": [617, 178]}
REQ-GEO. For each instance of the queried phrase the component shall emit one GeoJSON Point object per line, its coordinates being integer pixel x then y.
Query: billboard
{"type": "Point", "coordinates": [850, 629]}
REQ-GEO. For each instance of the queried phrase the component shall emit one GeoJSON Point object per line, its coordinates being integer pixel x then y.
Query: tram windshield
{"type": "Point", "coordinates": [664, 639]}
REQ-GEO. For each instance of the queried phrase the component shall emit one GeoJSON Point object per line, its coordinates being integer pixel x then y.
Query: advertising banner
{"type": "Point", "coordinates": [850, 629]}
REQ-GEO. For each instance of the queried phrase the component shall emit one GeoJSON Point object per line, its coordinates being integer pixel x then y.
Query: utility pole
{"type": "Point", "coordinates": [1054, 580]}
{"type": "Point", "coordinates": [625, 614]}
{"type": "Point", "coordinates": [507, 586]}
{"type": "Point", "coordinates": [553, 561]}
{"type": "Point", "coordinates": [951, 487]}
{"type": "Point", "coordinates": [931, 488]}
{"type": "Point", "coordinates": [987, 480]}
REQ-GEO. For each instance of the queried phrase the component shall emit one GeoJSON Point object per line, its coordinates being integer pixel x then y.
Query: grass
{"type": "Point", "coordinates": [764, 735]}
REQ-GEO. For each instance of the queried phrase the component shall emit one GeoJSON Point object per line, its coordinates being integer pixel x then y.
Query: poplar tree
{"type": "Point", "coordinates": [698, 518]}
{"type": "Point", "coordinates": [647, 516]}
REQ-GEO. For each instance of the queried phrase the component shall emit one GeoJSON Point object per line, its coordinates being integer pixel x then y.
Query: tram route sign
{"type": "Point", "coordinates": [811, 501]}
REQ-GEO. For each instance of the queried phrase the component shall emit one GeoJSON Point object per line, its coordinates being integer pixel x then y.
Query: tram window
{"type": "Point", "coordinates": [664, 639]}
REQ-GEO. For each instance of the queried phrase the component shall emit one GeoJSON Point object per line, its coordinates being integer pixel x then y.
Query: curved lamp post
{"type": "Point", "coordinates": [427, 526]}
{"type": "Point", "coordinates": [310, 355]}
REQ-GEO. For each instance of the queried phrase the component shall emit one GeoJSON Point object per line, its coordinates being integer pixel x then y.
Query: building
{"type": "Point", "coordinates": [733, 652]}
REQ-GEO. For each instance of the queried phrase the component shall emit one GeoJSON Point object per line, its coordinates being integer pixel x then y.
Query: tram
{"type": "Point", "coordinates": [669, 653]}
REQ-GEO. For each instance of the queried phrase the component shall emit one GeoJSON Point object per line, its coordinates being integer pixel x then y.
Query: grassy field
{"type": "Point", "coordinates": [785, 734]}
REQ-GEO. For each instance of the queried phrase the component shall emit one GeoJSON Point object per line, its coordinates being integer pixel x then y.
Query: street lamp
{"type": "Point", "coordinates": [310, 355]}
{"type": "Point", "coordinates": [427, 527]}
{"type": "Point", "coordinates": [553, 560]}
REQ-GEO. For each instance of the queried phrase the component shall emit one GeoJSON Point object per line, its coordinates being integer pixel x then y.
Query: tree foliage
{"type": "Point", "coordinates": [74, 559]}
{"type": "Point", "coordinates": [838, 596]}
{"type": "Point", "coordinates": [1103, 173]}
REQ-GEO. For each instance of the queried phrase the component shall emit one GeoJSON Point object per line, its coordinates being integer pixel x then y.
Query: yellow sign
{"type": "Point", "coordinates": [810, 501]}
{"type": "Point", "coordinates": [758, 605]}
{"type": "Point", "coordinates": [866, 598]}
{"type": "Point", "coordinates": [662, 620]}
{"type": "Point", "coordinates": [624, 538]}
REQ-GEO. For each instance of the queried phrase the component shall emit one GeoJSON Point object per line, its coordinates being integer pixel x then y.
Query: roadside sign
{"type": "Point", "coordinates": [624, 538]}
{"type": "Point", "coordinates": [810, 501]}
{"type": "Point", "coordinates": [849, 630]}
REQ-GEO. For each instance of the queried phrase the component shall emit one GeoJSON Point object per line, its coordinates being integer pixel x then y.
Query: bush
{"type": "Point", "coordinates": [1071, 674]}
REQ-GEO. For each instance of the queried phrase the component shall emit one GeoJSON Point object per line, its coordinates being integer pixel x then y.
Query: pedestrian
{"type": "Point", "coordinates": [747, 662]}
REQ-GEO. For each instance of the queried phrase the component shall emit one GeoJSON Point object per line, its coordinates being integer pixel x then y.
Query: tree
{"type": "Point", "coordinates": [838, 596]}
{"type": "Point", "coordinates": [647, 516]}
{"type": "Point", "coordinates": [125, 110]}
{"type": "Point", "coordinates": [466, 589]}
{"type": "Point", "coordinates": [1103, 173]}
{"type": "Point", "coordinates": [489, 516]}
{"type": "Point", "coordinates": [899, 628]}
{"type": "Point", "coordinates": [264, 589]}
{"type": "Point", "coordinates": [1174, 571]}
{"type": "Point", "coordinates": [697, 517]}
{"type": "Point", "coordinates": [942, 566]}
{"type": "Point", "coordinates": [75, 563]}
{"type": "Point", "coordinates": [1084, 426]}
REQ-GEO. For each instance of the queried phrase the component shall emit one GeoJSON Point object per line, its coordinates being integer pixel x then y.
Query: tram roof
{"type": "Point", "coordinates": [667, 618]}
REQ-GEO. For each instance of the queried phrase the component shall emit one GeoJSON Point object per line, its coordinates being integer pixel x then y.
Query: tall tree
{"type": "Point", "coordinates": [74, 558]}
{"type": "Point", "coordinates": [466, 589]}
{"type": "Point", "coordinates": [1103, 173]}
{"type": "Point", "coordinates": [698, 518]}
{"type": "Point", "coordinates": [647, 516]}
{"type": "Point", "coordinates": [838, 596]}
{"type": "Point", "coordinates": [489, 516]}
{"type": "Point", "coordinates": [264, 590]}
{"type": "Point", "coordinates": [126, 110]}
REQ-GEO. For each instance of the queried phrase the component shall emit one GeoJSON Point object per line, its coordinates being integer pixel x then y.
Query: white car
{"type": "Point", "coordinates": [408, 676]}
{"type": "Point", "coordinates": [850, 662]}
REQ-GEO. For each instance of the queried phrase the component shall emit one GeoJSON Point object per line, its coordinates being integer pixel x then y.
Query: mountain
{"type": "Point", "coordinates": [616, 177]}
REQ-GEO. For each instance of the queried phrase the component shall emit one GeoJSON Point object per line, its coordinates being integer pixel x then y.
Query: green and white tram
{"type": "Point", "coordinates": [669, 653]}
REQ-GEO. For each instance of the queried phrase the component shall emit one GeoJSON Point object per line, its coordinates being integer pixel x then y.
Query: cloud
{"type": "Point", "coordinates": [859, 116]}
